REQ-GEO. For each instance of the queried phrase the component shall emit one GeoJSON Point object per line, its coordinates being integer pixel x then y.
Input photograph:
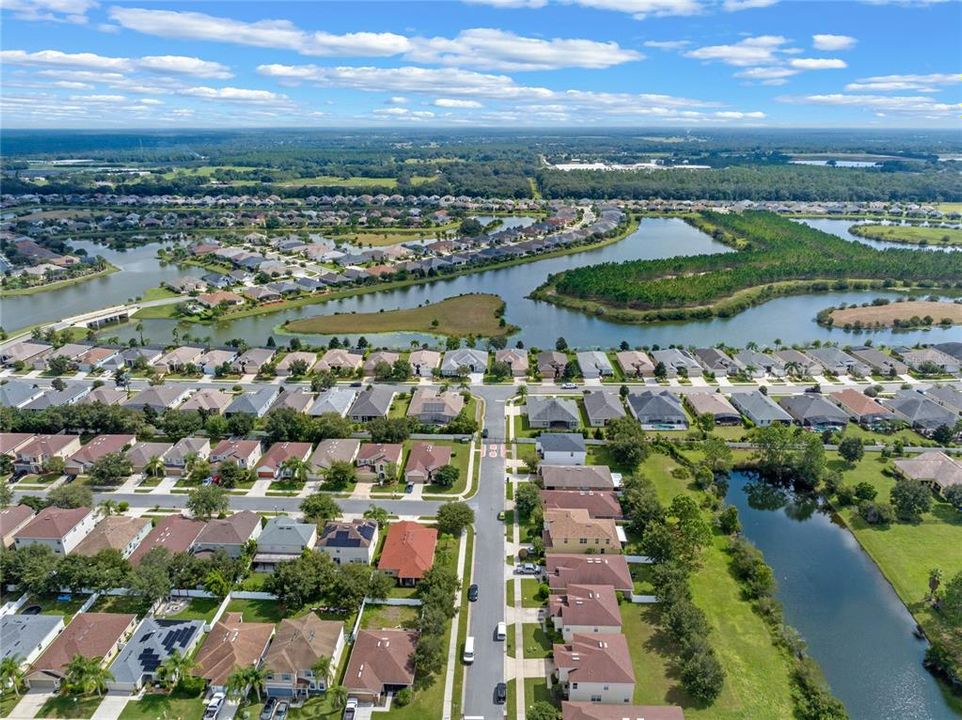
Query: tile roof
{"type": "Point", "coordinates": [595, 658]}
{"type": "Point", "coordinates": [408, 549]}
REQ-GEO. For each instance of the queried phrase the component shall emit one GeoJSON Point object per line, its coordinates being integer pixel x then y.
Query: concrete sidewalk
{"type": "Point", "coordinates": [454, 662]}
{"type": "Point", "coordinates": [112, 706]}
{"type": "Point", "coordinates": [30, 705]}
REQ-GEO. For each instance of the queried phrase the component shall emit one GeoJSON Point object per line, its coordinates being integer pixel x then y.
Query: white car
{"type": "Point", "coordinates": [214, 705]}
{"type": "Point", "coordinates": [350, 709]}
{"type": "Point", "coordinates": [569, 386]}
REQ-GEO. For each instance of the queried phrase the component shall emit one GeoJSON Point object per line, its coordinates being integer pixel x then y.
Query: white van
{"type": "Point", "coordinates": [501, 632]}
{"type": "Point", "coordinates": [468, 656]}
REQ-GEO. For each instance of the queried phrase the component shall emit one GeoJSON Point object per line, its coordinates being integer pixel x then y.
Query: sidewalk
{"type": "Point", "coordinates": [454, 664]}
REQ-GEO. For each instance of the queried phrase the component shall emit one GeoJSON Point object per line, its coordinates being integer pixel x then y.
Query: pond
{"type": "Point", "coordinates": [841, 228]}
{"type": "Point", "coordinates": [790, 319]}
{"type": "Point", "coordinates": [834, 595]}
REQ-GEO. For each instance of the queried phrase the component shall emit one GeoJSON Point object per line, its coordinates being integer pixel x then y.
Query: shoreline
{"type": "Point", "coordinates": [59, 284]}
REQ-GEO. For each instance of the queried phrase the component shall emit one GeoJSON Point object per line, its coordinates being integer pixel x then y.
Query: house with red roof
{"type": "Point", "coordinates": [269, 466]}
{"type": "Point", "coordinates": [408, 551]}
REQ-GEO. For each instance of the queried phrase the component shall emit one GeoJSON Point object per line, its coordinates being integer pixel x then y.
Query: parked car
{"type": "Point", "coordinates": [281, 712]}
{"type": "Point", "coordinates": [269, 707]}
{"type": "Point", "coordinates": [214, 705]}
{"type": "Point", "coordinates": [357, 383]}
{"type": "Point", "coordinates": [409, 488]}
{"type": "Point", "coordinates": [527, 569]}
{"type": "Point", "coordinates": [500, 693]}
{"type": "Point", "coordinates": [484, 433]}
{"type": "Point", "coordinates": [350, 709]}
{"type": "Point", "coordinates": [472, 593]}
{"type": "Point", "coordinates": [568, 386]}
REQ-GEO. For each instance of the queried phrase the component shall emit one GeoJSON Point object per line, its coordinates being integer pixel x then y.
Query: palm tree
{"type": "Point", "coordinates": [295, 468]}
{"type": "Point", "coordinates": [935, 580]}
{"type": "Point", "coordinates": [237, 685]}
{"type": "Point", "coordinates": [338, 695]}
{"type": "Point", "coordinates": [175, 667]}
{"type": "Point", "coordinates": [154, 467]}
{"type": "Point", "coordinates": [86, 675]}
{"type": "Point", "coordinates": [11, 673]}
{"type": "Point", "coordinates": [190, 459]}
{"type": "Point", "coordinates": [323, 669]}
{"type": "Point", "coordinates": [377, 514]}
{"type": "Point", "coordinates": [107, 507]}
{"type": "Point", "coordinates": [139, 327]}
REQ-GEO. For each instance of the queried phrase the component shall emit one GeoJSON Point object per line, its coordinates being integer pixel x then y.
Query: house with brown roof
{"type": "Point", "coordinates": [141, 453]}
{"type": "Point", "coordinates": [252, 360]}
{"type": "Point", "coordinates": [408, 551]}
{"type": "Point", "coordinates": [424, 460]}
{"type": "Point", "coordinates": [330, 451]}
{"type": "Point", "coordinates": [635, 363]}
{"type": "Point", "coordinates": [382, 662]}
{"type": "Point", "coordinates": [178, 359]}
{"type": "Point", "coordinates": [597, 711]}
{"type": "Point", "coordinates": [93, 635]}
{"type": "Point", "coordinates": [104, 395]}
{"type": "Point", "coordinates": [432, 406]}
{"type": "Point", "coordinates": [231, 644]}
{"type": "Point", "coordinates": [159, 397]}
{"type": "Point", "coordinates": [716, 405]}
{"type": "Point", "coordinates": [31, 456]}
{"type": "Point", "coordinates": [577, 477]}
{"type": "Point", "coordinates": [283, 367]}
{"type": "Point", "coordinates": [379, 461]}
{"type": "Point", "coordinates": [598, 503]}
{"type": "Point", "coordinates": [243, 452]}
{"type": "Point", "coordinates": [221, 297]}
{"type": "Point", "coordinates": [340, 360]}
{"type": "Point", "coordinates": [81, 461]}
{"type": "Point", "coordinates": [376, 357]}
{"type": "Point", "coordinates": [229, 534]}
{"type": "Point", "coordinates": [349, 541]}
{"type": "Point", "coordinates": [595, 668]}
{"type": "Point", "coordinates": [517, 360]}
{"type": "Point", "coordinates": [551, 363]}
{"type": "Point", "coordinates": [115, 532]}
{"type": "Point", "coordinates": [177, 458]}
{"type": "Point", "coordinates": [60, 529]}
{"type": "Point", "coordinates": [270, 464]}
{"type": "Point", "coordinates": [933, 468]}
{"type": "Point", "coordinates": [585, 610]}
{"type": "Point", "coordinates": [424, 362]}
{"type": "Point", "coordinates": [862, 409]}
{"type": "Point", "coordinates": [575, 531]}
{"type": "Point", "coordinates": [208, 401]}
{"type": "Point", "coordinates": [174, 533]}
{"type": "Point", "coordinates": [563, 570]}
{"type": "Point", "coordinates": [297, 646]}
{"type": "Point", "coordinates": [12, 520]}
{"type": "Point", "coordinates": [11, 442]}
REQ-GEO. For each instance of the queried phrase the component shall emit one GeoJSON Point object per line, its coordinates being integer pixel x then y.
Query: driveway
{"type": "Point", "coordinates": [112, 706]}
{"type": "Point", "coordinates": [31, 704]}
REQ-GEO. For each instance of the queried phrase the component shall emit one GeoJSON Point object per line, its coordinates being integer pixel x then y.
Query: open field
{"type": "Point", "coordinates": [911, 234]}
{"type": "Point", "coordinates": [886, 315]}
{"type": "Point", "coordinates": [950, 207]}
{"type": "Point", "coordinates": [456, 316]}
{"type": "Point", "coordinates": [173, 706]}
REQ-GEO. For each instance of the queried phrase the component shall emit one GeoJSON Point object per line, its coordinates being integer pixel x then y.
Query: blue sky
{"type": "Point", "coordinates": [500, 63]}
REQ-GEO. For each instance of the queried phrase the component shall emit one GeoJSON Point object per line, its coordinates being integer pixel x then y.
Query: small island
{"type": "Point", "coordinates": [910, 234]}
{"type": "Point", "coordinates": [477, 314]}
{"type": "Point", "coordinates": [881, 313]}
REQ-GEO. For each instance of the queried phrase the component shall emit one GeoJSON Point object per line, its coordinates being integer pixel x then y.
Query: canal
{"type": "Point", "coordinates": [856, 627]}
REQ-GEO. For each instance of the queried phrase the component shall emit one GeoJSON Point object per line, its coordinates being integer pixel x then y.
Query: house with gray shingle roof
{"type": "Point", "coordinates": [374, 402]}
{"type": "Point", "coordinates": [758, 408]}
{"type": "Point", "coordinates": [814, 411]}
{"type": "Point", "coordinates": [677, 362]}
{"type": "Point", "coordinates": [561, 448]}
{"type": "Point", "coordinates": [476, 361]}
{"type": "Point", "coordinates": [594, 364]}
{"type": "Point", "coordinates": [658, 410]}
{"type": "Point", "coordinates": [283, 539]}
{"type": "Point", "coordinates": [602, 407]}
{"type": "Point", "coordinates": [333, 400]}
{"type": "Point", "coordinates": [552, 412]}
{"type": "Point", "coordinates": [17, 393]}
{"type": "Point", "coordinates": [152, 643]}
{"type": "Point", "coordinates": [923, 414]}
{"type": "Point", "coordinates": [26, 636]}
{"type": "Point", "coordinates": [256, 402]}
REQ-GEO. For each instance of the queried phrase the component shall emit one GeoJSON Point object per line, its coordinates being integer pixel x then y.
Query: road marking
{"type": "Point", "coordinates": [496, 450]}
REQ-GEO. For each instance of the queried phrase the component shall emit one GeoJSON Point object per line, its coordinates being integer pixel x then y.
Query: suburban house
{"type": "Point", "coordinates": [408, 551]}
{"type": "Point", "coordinates": [947, 396]}
{"type": "Point", "coordinates": [424, 362]}
{"type": "Point", "coordinates": [551, 363]}
{"type": "Point", "coordinates": [115, 532]}
{"type": "Point", "coordinates": [424, 460]}
{"type": "Point", "coordinates": [375, 358]}
{"type": "Point", "coordinates": [104, 395]}
{"type": "Point", "coordinates": [798, 363]}
{"type": "Point", "coordinates": [282, 539]}
{"type": "Point", "coordinates": [208, 401]}
{"type": "Point", "coordinates": [70, 395]}
{"type": "Point", "coordinates": [594, 364]}
{"type": "Point", "coordinates": [271, 463]}
{"type": "Point", "coordinates": [552, 413]}
{"type": "Point", "coordinates": [17, 393]}
{"type": "Point", "coordinates": [349, 541]}
{"type": "Point", "coordinates": [11, 442]}
{"type": "Point", "coordinates": [758, 364]}
{"type": "Point", "coordinates": [677, 362]}
{"type": "Point", "coordinates": [561, 448]}
{"type": "Point", "coordinates": [178, 457]}
{"type": "Point", "coordinates": [338, 360]}
{"type": "Point", "coordinates": [431, 406]}
{"type": "Point", "coordinates": [862, 409]}
{"type": "Point", "coordinates": [881, 363]}
{"type": "Point", "coordinates": [563, 570]}
{"type": "Point", "coordinates": [221, 297]}
{"type": "Point", "coordinates": [758, 408]}
{"type": "Point", "coordinates": [81, 461]}
{"type": "Point", "coordinates": [601, 407]}
{"type": "Point", "coordinates": [716, 405]}
{"type": "Point", "coordinates": [635, 364]}
{"type": "Point", "coordinates": [373, 402]}
{"type": "Point", "coordinates": [229, 534]}
{"type": "Point", "coordinates": [814, 412]}
{"type": "Point", "coordinates": [26, 636]}
{"type": "Point", "coordinates": [256, 402]}
{"type": "Point", "coordinates": [24, 352]}
{"type": "Point", "coordinates": [13, 519]}
{"type": "Point", "coordinates": [283, 367]}
{"type": "Point", "coordinates": [251, 361]}
{"type": "Point", "coordinates": [597, 711]}
{"type": "Point", "coordinates": [158, 398]}
{"type": "Point", "coordinates": [178, 359]}
{"type": "Point", "coordinates": [33, 455]}
{"type": "Point", "coordinates": [474, 361]}
{"type": "Point", "coordinates": [933, 468]}
{"type": "Point", "coordinates": [330, 451]}
{"type": "Point", "coordinates": [657, 410]}
{"type": "Point", "coordinates": [381, 663]}
{"type": "Point", "coordinates": [717, 362]}
{"type": "Point", "coordinates": [333, 400]}
{"type": "Point", "coordinates": [296, 400]}
{"type": "Point", "coordinates": [70, 351]}
{"type": "Point", "coordinates": [245, 453]}
{"type": "Point", "coordinates": [89, 634]}
{"type": "Point", "coordinates": [517, 360]}
{"type": "Point", "coordinates": [213, 360]}
{"type": "Point", "coordinates": [152, 643]}
{"type": "Point", "coordinates": [379, 461]}
{"type": "Point", "coordinates": [598, 503]}
{"type": "Point", "coordinates": [921, 413]}
{"type": "Point", "coordinates": [585, 610]}
{"type": "Point", "coordinates": [577, 477]}
{"type": "Point", "coordinates": [926, 358]}
{"type": "Point", "coordinates": [230, 645]}
{"type": "Point", "coordinates": [837, 362]}
{"type": "Point", "coordinates": [297, 646]}
{"type": "Point", "coordinates": [174, 533]}
{"type": "Point", "coordinates": [60, 529]}
{"type": "Point", "coordinates": [141, 453]}
{"type": "Point", "coordinates": [595, 668]}
{"type": "Point", "coordinates": [575, 531]}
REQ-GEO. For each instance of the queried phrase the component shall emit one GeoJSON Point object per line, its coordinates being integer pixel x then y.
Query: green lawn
{"type": "Point", "coordinates": [316, 708]}
{"type": "Point", "coordinates": [378, 617]}
{"type": "Point", "coordinates": [49, 605]}
{"type": "Point", "coordinates": [199, 609]}
{"type": "Point", "coordinates": [536, 690]}
{"type": "Point", "coordinates": [529, 591]}
{"type": "Point", "coordinates": [162, 706]}
{"type": "Point", "coordinates": [120, 604]}
{"type": "Point", "coordinates": [70, 706]}
{"type": "Point", "coordinates": [8, 701]}
{"type": "Point", "coordinates": [157, 293]}
{"type": "Point", "coordinates": [537, 642]}
{"type": "Point", "coordinates": [267, 611]}
{"type": "Point", "coordinates": [460, 455]}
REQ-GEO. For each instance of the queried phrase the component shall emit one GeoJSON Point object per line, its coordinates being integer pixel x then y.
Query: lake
{"type": "Point", "coordinates": [834, 595]}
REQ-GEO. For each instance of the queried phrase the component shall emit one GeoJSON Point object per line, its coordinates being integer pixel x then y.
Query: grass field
{"type": "Point", "coordinates": [912, 234]}
{"type": "Point", "coordinates": [8, 701]}
{"type": "Point", "coordinates": [950, 207]}
{"type": "Point", "coordinates": [174, 706]}
{"type": "Point", "coordinates": [455, 316]}
{"type": "Point", "coordinates": [157, 293]}
{"type": "Point", "coordinates": [70, 706]}
{"type": "Point", "coordinates": [886, 315]}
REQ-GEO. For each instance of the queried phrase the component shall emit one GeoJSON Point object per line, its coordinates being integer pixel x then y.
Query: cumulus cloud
{"type": "Point", "coordinates": [933, 82]}
{"type": "Point", "coordinates": [457, 104]}
{"type": "Point", "coordinates": [174, 64]}
{"type": "Point", "coordinates": [667, 44]}
{"type": "Point", "coordinates": [640, 9]}
{"type": "Point", "coordinates": [181, 65]}
{"type": "Point", "coordinates": [817, 63]}
{"type": "Point", "coordinates": [72, 11]}
{"type": "Point", "coordinates": [232, 94]}
{"type": "Point", "coordinates": [833, 42]}
{"type": "Point", "coordinates": [914, 105]}
{"type": "Point", "coordinates": [737, 5]}
{"type": "Point", "coordinates": [759, 50]}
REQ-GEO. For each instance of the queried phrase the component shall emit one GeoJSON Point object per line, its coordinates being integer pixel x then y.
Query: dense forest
{"type": "Point", "coordinates": [775, 250]}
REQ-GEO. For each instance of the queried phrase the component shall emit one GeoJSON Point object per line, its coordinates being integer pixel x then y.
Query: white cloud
{"type": "Point", "coordinates": [72, 85]}
{"type": "Point", "coordinates": [232, 94]}
{"type": "Point", "coordinates": [833, 42]}
{"type": "Point", "coordinates": [898, 83]}
{"type": "Point", "coordinates": [493, 49]}
{"type": "Point", "coordinates": [760, 50]}
{"type": "Point", "coordinates": [667, 44]}
{"type": "Point", "coordinates": [766, 73]}
{"type": "Point", "coordinates": [98, 98]}
{"type": "Point", "coordinates": [281, 34]}
{"type": "Point", "coordinates": [736, 115]}
{"type": "Point", "coordinates": [398, 100]}
{"type": "Point", "coordinates": [457, 104]}
{"type": "Point", "coordinates": [180, 65]}
{"type": "Point", "coordinates": [72, 11]}
{"type": "Point", "coordinates": [55, 58]}
{"type": "Point", "coordinates": [640, 9]}
{"type": "Point", "coordinates": [392, 111]}
{"type": "Point", "coordinates": [737, 5]}
{"type": "Point", "coordinates": [817, 63]}
{"type": "Point", "coordinates": [914, 105]}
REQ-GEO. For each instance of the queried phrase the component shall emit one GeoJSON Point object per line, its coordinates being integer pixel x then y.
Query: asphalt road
{"type": "Point", "coordinates": [489, 552]}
